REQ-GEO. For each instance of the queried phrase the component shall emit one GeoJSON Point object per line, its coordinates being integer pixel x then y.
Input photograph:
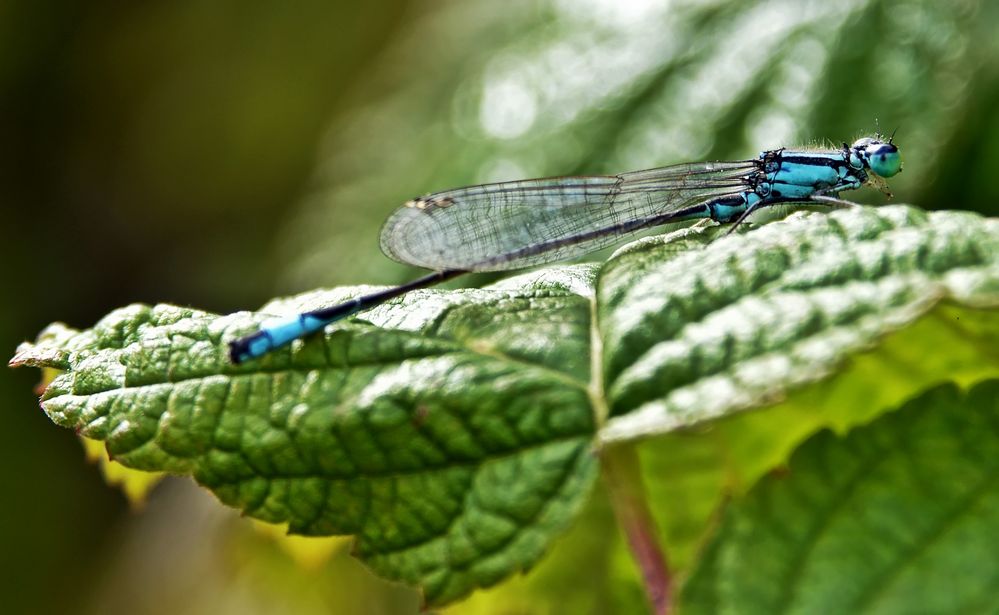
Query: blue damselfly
{"type": "Point", "coordinates": [512, 225]}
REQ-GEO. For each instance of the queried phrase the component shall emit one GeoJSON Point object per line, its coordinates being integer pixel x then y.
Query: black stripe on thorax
{"type": "Point", "coordinates": [815, 161]}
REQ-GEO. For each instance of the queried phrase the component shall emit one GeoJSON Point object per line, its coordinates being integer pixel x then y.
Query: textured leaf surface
{"type": "Point", "coordinates": [452, 431]}
{"type": "Point", "coordinates": [897, 517]}
{"type": "Point", "coordinates": [453, 466]}
{"type": "Point", "coordinates": [692, 334]}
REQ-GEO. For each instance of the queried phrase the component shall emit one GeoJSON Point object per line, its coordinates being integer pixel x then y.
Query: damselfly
{"type": "Point", "coordinates": [512, 225]}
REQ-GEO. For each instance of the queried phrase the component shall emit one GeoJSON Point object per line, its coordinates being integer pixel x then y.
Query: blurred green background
{"type": "Point", "coordinates": [216, 154]}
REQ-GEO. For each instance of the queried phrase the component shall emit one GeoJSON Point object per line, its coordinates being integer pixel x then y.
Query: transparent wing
{"type": "Point", "coordinates": [510, 225]}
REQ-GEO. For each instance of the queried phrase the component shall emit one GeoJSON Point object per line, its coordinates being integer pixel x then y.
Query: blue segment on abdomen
{"type": "Point", "coordinates": [275, 333]}
{"type": "Point", "coordinates": [728, 209]}
{"type": "Point", "coordinates": [724, 213]}
{"type": "Point", "coordinates": [287, 329]}
{"type": "Point", "coordinates": [258, 346]}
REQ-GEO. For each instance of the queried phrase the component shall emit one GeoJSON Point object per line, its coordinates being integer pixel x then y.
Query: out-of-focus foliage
{"type": "Point", "coordinates": [135, 484]}
{"type": "Point", "coordinates": [478, 92]}
{"type": "Point", "coordinates": [154, 151]}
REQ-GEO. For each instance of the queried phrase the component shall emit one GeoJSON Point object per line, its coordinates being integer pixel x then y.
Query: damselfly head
{"type": "Point", "coordinates": [881, 157]}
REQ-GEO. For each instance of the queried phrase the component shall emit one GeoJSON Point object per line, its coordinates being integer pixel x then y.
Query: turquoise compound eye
{"type": "Point", "coordinates": [884, 159]}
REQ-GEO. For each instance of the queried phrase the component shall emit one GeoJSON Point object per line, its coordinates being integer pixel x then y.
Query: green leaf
{"type": "Point", "coordinates": [690, 335]}
{"type": "Point", "coordinates": [589, 572]}
{"type": "Point", "coordinates": [453, 462]}
{"type": "Point", "coordinates": [453, 431]}
{"type": "Point", "coordinates": [689, 471]}
{"type": "Point", "coordinates": [897, 517]}
{"type": "Point", "coordinates": [878, 360]}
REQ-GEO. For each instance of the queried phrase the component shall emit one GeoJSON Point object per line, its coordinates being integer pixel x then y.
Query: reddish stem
{"type": "Point", "coordinates": [624, 482]}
